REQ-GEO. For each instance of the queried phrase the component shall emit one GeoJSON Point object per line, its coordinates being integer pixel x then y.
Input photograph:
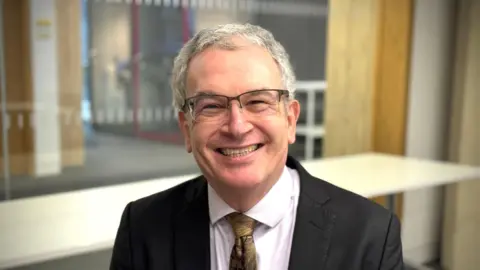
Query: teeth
{"type": "Point", "coordinates": [238, 152]}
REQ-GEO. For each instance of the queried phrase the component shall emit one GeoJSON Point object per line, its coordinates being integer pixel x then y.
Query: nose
{"type": "Point", "coordinates": [237, 124]}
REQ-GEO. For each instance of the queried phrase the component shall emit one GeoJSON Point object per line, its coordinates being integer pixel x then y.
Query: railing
{"type": "Point", "coordinates": [310, 129]}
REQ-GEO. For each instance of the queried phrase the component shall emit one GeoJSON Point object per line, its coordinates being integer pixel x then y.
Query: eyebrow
{"type": "Point", "coordinates": [200, 93]}
{"type": "Point", "coordinates": [210, 92]}
{"type": "Point", "coordinates": [205, 92]}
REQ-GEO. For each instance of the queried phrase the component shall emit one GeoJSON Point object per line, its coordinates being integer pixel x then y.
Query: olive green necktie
{"type": "Point", "coordinates": [244, 255]}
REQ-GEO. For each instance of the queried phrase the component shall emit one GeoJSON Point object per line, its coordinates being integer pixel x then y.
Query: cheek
{"type": "Point", "coordinates": [199, 137]}
{"type": "Point", "coordinates": [277, 132]}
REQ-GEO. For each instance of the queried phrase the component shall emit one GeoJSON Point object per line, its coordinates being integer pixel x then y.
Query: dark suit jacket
{"type": "Point", "coordinates": [334, 229]}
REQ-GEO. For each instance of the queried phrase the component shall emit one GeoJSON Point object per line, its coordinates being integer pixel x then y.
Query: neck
{"type": "Point", "coordinates": [243, 200]}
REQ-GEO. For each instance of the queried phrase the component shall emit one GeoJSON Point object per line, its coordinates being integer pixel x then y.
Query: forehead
{"type": "Point", "coordinates": [232, 72]}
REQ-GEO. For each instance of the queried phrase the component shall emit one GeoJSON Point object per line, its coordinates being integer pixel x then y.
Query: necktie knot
{"type": "Point", "coordinates": [242, 225]}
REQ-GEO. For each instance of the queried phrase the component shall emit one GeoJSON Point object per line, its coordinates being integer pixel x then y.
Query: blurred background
{"type": "Point", "coordinates": [106, 117]}
{"type": "Point", "coordinates": [87, 116]}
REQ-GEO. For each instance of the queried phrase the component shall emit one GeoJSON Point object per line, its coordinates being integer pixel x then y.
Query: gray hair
{"type": "Point", "coordinates": [221, 36]}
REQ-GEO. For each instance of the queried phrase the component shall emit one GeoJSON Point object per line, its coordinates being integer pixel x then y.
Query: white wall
{"type": "Point", "coordinates": [428, 114]}
{"type": "Point", "coordinates": [45, 89]}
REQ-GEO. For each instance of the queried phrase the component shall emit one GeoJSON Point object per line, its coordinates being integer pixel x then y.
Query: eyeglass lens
{"type": "Point", "coordinates": [213, 107]}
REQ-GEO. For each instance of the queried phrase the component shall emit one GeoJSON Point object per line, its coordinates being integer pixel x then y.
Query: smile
{"type": "Point", "coordinates": [238, 152]}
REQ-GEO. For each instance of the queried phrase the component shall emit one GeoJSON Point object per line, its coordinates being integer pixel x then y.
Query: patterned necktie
{"type": "Point", "coordinates": [244, 255]}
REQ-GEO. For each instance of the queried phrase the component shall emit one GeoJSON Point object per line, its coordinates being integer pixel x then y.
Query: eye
{"type": "Point", "coordinates": [208, 103]}
{"type": "Point", "coordinates": [211, 106]}
{"type": "Point", "coordinates": [254, 102]}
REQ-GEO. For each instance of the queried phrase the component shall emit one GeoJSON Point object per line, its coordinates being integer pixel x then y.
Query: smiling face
{"type": "Point", "coordinates": [243, 151]}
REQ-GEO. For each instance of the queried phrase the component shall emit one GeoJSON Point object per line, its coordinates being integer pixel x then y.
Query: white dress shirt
{"type": "Point", "coordinates": [273, 235]}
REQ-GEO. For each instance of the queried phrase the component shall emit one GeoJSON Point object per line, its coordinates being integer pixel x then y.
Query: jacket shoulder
{"type": "Point", "coordinates": [338, 200]}
{"type": "Point", "coordinates": [354, 208]}
{"type": "Point", "coordinates": [365, 232]}
{"type": "Point", "coordinates": [165, 203]}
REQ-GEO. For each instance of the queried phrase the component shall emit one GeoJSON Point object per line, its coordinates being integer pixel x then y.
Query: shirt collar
{"type": "Point", "coordinates": [269, 211]}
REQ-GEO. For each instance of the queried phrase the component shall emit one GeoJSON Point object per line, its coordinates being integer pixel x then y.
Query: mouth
{"type": "Point", "coordinates": [238, 152]}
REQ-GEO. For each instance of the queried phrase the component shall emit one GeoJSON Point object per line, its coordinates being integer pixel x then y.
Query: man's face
{"type": "Point", "coordinates": [261, 142]}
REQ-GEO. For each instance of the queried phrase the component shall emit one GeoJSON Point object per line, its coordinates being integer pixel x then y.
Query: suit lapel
{"type": "Point", "coordinates": [192, 231]}
{"type": "Point", "coordinates": [313, 226]}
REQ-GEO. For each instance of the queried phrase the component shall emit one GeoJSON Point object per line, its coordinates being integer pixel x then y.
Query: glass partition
{"type": "Point", "coordinates": [120, 125]}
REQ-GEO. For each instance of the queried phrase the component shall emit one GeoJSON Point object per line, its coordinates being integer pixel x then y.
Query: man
{"type": "Point", "coordinates": [254, 207]}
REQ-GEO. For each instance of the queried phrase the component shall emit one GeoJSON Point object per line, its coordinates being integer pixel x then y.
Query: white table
{"type": "Point", "coordinates": [48, 227]}
{"type": "Point", "coordinates": [375, 174]}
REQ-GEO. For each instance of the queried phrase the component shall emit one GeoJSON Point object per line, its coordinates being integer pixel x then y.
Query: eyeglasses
{"type": "Point", "coordinates": [206, 107]}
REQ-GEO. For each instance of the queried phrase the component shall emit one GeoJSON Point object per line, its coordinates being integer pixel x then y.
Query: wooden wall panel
{"type": "Point", "coordinates": [351, 47]}
{"type": "Point", "coordinates": [461, 237]}
{"type": "Point", "coordinates": [16, 34]}
{"type": "Point", "coordinates": [367, 73]}
{"type": "Point", "coordinates": [392, 76]}
{"type": "Point", "coordinates": [68, 16]}
{"type": "Point", "coordinates": [392, 80]}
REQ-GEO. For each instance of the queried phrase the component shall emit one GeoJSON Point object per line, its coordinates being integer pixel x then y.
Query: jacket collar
{"type": "Point", "coordinates": [314, 222]}
{"type": "Point", "coordinates": [313, 226]}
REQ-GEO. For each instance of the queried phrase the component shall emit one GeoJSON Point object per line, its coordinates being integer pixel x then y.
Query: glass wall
{"type": "Point", "coordinates": [124, 128]}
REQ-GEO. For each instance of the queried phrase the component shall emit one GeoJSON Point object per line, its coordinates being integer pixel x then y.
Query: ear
{"type": "Point", "coordinates": [293, 112]}
{"type": "Point", "coordinates": [185, 128]}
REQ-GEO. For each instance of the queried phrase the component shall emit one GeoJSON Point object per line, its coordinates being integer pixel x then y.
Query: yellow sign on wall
{"type": "Point", "coordinates": [43, 29]}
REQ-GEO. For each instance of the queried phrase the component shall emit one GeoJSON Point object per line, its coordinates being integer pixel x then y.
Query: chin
{"type": "Point", "coordinates": [241, 172]}
{"type": "Point", "coordinates": [240, 179]}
